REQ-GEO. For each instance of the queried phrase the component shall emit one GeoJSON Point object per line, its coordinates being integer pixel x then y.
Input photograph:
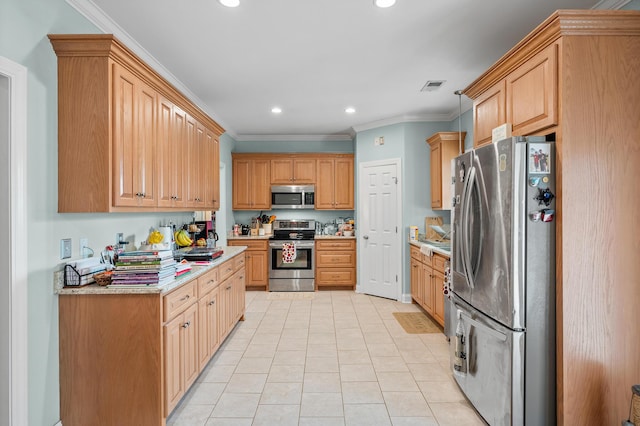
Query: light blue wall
{"type": "Point", "coordinates": [24, 25]}
{"type": "Point", "coordinates": [407, 141]}
{"type": "Point", "coordinates": [632, 5]}
{"type": "Point", "coordinates": [345, 146]}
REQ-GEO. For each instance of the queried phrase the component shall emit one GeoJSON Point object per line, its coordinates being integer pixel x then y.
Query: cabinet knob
{"type": "Point", "coordinates": [186, 324]}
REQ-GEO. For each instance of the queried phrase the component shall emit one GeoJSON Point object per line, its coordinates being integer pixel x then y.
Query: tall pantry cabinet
{"type": "Point", "coordinates": [577, 76]}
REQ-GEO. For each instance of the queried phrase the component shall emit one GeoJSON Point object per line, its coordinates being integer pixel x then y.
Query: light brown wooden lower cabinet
{"type": "Point", "coordinates": [128, 359]}
{"type": "Point", "coordinates": [257, 267]}
{"type": "Point", "coordinates": [335, 263]}
{"type": "Point", "coordinates": [427, 279]}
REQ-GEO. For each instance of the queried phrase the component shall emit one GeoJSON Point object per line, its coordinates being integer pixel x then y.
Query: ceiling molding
{"type": "Point", "coordinates": [107, 25]}
{"type": "Point", "coordinates": [610, 4]}
{"type": "Point", "coordinates": [295, 138]}
{"type": "Point", "coordinates": [411, 119]}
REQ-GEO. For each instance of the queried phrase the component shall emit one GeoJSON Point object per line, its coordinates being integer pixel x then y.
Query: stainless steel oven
{"type": "Point", "coordinates": [292, 256]}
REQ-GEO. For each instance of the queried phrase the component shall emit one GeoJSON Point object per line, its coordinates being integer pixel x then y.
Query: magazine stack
{"type": "Point", "coordinates": [144, 268]}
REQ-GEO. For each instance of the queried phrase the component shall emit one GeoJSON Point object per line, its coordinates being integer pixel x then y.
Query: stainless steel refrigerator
{"type": "Point", "coordinates": [502, 304]}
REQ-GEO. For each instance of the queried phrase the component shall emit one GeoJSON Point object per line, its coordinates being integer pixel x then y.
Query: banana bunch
{"type": "Point", "coordinates": [155, 237]}
{"type": "Point", "coordinates": [182, 238]}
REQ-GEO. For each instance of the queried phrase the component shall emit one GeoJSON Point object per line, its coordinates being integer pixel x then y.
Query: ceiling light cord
{"type": "Point", "coordinates": [459, 93]}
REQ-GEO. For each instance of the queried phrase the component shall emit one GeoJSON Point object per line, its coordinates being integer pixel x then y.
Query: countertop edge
{"type": "Point", "coordinates": [267, 237]}
{"type": "Point", "coordinates": [59, 289]}
{"type": "Point", "coordinates": [434, 249]}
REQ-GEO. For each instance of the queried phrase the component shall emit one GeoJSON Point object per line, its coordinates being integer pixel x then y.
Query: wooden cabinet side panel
{"type": "Point", "coordinates": [436, 176]}
{"type": "Point", "coordinates": [84, 144]}
{"type": "Point", "coordinates": [101, 354]}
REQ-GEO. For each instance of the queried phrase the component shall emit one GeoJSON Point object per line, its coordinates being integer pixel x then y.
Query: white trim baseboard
{"type": "Point", "coordinates": [17, 75]}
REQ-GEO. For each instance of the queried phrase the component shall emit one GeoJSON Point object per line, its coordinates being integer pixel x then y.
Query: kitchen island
{"type": "Point", "coordinates": [128, 355]}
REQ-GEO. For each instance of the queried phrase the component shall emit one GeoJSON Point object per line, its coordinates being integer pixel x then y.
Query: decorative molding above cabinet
{"type": "Point", "coordinates": [127, 139]}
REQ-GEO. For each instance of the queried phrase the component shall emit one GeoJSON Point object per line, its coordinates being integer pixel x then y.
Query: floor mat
{"type": "Point", "coordinates": [290, 295]}
{"type": "Point", "coordinates": [416, 323]}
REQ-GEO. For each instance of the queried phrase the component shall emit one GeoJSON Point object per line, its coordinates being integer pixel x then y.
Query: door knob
{"type": "Point", "coordinates": [366, 237]}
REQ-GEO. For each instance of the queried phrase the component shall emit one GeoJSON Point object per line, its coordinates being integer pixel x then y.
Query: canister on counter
{"type": "Point", "coordinates": [413, 233]}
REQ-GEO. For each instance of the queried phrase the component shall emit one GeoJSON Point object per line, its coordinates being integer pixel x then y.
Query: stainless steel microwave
{"type": "Point", "coordinates": [292, 197]}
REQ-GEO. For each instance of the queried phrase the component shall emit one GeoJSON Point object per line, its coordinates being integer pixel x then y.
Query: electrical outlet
{"type": "Point", "coordinates": [84, 247]}
{"type": "Point", "coordinates": [378, 141]}
{"type": "Point", "coordinates": [65, 248]}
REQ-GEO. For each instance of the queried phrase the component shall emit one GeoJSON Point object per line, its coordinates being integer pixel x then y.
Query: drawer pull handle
{"type": "Point", "coordinates": [186, 324]}
{"type": "Point", "coordinates": [184, 298]}
{"type": "Point", "coordinates": [228, 288]}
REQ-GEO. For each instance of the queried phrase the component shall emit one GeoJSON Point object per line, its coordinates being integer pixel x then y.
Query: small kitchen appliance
{"type": "Point", "coordinates": [292, 197]}
{"type": "Point", "coordinates": [291, 255]}
{"type": "Point", "coordinates": [502, 304]}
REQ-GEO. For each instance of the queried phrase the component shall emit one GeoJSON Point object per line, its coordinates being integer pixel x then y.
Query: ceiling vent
{"type": "Point", "coordinates": [432, 85]}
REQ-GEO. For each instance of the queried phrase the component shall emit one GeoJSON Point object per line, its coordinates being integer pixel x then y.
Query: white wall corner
{"type": "Point", "coordinates": [406, 298]}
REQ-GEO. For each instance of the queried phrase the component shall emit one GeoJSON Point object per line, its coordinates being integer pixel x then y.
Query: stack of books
{"type": "Point", "coordinates": [182, 267]}
{"type": "Point", "coordinates": [144, 268]}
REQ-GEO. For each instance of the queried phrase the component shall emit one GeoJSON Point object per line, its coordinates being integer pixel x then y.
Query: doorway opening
{"type": "Point", "coordinates": [13, 268]}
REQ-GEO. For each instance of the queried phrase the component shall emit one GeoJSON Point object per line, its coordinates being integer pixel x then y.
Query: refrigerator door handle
{"type": "Point", "coordinates": [466, 241]}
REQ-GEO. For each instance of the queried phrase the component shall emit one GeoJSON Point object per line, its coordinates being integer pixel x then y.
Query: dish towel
{"type": "Point", "coordinates": [426, 250]}
{"type": "Point", "coordinates": [288, 252]}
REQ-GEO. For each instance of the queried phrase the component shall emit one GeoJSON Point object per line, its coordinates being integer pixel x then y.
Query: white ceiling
{"type": "Point", "coordinates": [315, 58]}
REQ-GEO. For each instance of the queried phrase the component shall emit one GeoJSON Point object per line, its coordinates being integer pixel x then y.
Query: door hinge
{"type": "Point", "coordinates": [396, 278]}
{"type": "Point", "coordinates": [395, 180]}
{"type": "Point", "coordinates": [396, 229]}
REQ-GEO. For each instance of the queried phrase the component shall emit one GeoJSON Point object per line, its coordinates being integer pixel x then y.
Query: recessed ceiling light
{"type": "Point", "coordinates": [276, 110]}
{"type": "Point", "coordinates": [350, 110]}
{"type": "Point", "coordinates": [384, 3]}
{"type": "Point", "coordinates": [230, 3]}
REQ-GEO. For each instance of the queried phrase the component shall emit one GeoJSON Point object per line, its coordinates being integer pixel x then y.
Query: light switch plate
{"type": "Point", "coordinates": [65, 248]}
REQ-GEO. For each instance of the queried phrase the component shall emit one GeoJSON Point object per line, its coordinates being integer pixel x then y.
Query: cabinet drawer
{"type": "Point", "coordinates": [415, 253]}
{"type": "Point", "coordinates": [251, 244]}
{"type": "Point", "coordinates": [178, 300]}
{"type": "Point", "coordinates": [336, 276]}
{"type": "Point", "coordinates": [335, 259]}
{"type": "Point", "coordinates": [335, 244]}
{"type": "Point", "coordinates": [427, 260]}
{"type": "Point", "coordinates": [226, 269]}
{"type": "Point", "coordinates": [438, 262]}
{"type": "Point", "coordinates": [238, 262]}
{"type": "Point", "coordinates": [208, 282]}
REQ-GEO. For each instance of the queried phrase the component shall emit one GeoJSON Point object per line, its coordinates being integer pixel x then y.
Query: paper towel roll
{"type": "Point", "coordinates": [167, 233]}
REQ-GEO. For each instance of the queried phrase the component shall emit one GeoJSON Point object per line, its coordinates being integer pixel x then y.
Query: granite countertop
{"type": "Point", "coordinates": [431, 247]}
{"type": "Point", "coordinates": [250, 237]}
{"type": "Point", "coordinates": [196, 271]}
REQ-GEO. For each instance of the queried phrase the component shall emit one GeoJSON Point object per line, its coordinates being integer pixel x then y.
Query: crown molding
{"type": "Point", "coordinates": [107, 25]}
{"type": "Point", "coordinates": [413, 119]}
{"type": "Point", "coordinates": [295, 138]}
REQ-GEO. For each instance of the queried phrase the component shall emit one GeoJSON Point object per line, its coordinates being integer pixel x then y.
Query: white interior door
{"type": "Point", "coordinates": [379, 213]}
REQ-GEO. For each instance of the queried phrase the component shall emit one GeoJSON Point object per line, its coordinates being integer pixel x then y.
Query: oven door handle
{"type": "Point", "coordinates": [298, 243]}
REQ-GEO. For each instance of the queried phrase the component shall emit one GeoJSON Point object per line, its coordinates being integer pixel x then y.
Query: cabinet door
{"type": "Point", "coordinates": [210, 169]}
{"type": "Point", "coordinates": [212, 317]}
{"type": "Point", "coordinates": [428, 296]}
{"type": "Point", "coordinates": [304, 171]}
{"type": "Point", "coordinates": [416, 275]}
{"type": "Point", "coordinates": [190, 339]}
{"type": "Point", "coordinates": [241, 183]}
{"type": "Point", "coordinates": [257, 271]}
{"type": "Point", "coordinates": [325, 184]}
{"type": "Point", "coordinates": [489, 112]}
{"type": "Point", "coordinates": [260, 185]}
{"type": "Point", "coordinates": [133, 140]}
{"type": "Point", "coordinates": [438, 297]}
{"type": "Point", "coordinates": [281, 171]}
{"type": "Point", "coordinates": [192, 164]}
{"type": "Point", "coordinates": [532, 93]}
{"type": "Point", "coordinates": [173, 373]}
{"type": "Point", "coordinates": [180, 159]}
{"type": "Point", "coordinates": [436, 176]}
{"type": "Point", "coordinates": [166, 156]}
{"type": "Point", "coordinates": [215, 169]}
{"type": "Point", "coordinates": [344, 184]}
{"type": "Point", "coordinates": [204, 331]}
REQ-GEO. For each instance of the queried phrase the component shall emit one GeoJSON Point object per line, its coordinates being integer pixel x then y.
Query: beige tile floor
{"type": "Point", "coordinates": [337, 359]}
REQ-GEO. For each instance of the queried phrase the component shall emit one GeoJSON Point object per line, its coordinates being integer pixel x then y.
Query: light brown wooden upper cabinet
{"type": "Point", "coordinates": [133, 140]}
{"type": "Point", "coordinates": [444, 147]}
{"type": "Point", "coordinates": [489, 112]}
{"type": "Point", "coordinates": [123, 132]}
{"type": "Point", "coordinates": [251, 183]}
{"type": "Point", "coordinates": [334, 182]}
{"type": "Point", "coordinates": [293, 170]}
{"type": "Point", "coordinates": [527, 98]}
{"type": "Point", "coordinates": [532, 93]}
